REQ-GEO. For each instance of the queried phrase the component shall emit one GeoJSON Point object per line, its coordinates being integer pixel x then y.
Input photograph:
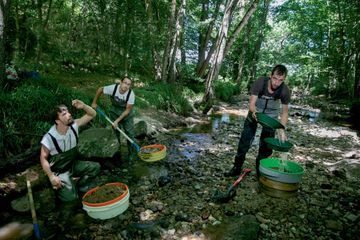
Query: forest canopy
{"type": "Point", "coordinates": [189, 40]}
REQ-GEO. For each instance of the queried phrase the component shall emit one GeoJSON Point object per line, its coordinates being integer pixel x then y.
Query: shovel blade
{"type": "Point", "coordinates": [231, 192]}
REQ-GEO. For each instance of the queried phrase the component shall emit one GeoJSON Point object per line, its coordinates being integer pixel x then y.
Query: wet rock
{"type": "Point", "coordinates": [326, 186]}
{"type": "Point", "coordinates": [182, 217]}
{"type": "Point", "coordinates": [16, 230]}
{"type": "Point", "coordinates": [340, 173]}
{"type": "Point", "coordinates": [146, 126]}
{"type": "Point", "coordinates": [334, 225]}
{"type": "Point", "coordinates": [90, 146]}
{"type": "Point", "coordinates": [205, 215]}
{"type": "Point", "coordinates": [155, 206]}
{"type": "Point", "coordinates": [147, 215]}
{"type": "Point", "coordinates": [352, 217]}
{"type": "Point", "coordinates": [239, 228]}
{"type": "Point", "coordinates": [164, 180]}
{"type": "Point", "coordinates": [21, 204]}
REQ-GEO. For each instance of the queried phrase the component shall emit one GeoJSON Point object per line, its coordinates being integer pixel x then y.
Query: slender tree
{"type": "Point", "coordinates": [223, 46]}
{"type": "Point", "coordinates": [169, 71]}
{"type": "Point", "coordinates": [4, 11]}
{"type": "Point", "coordinates": [153, 43]}
{"type": "Point", "coordinates": [260, 37]}
{"type": "Point", "coordinates": [42, 25]}
{"type": "Point", "coordinates": [205, 54]}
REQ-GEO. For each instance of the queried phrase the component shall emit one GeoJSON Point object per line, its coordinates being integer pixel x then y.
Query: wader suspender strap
{"type": "Point", "coordinates": [127, 96]}
{"type": "Point", "coordinates": [263, 92]}
{"type": "Point", "coordinates": [115, 88]}
{"type": "Point", "coordinates": [58, 149]}
{"type": "Point", "coordinates": [75, 134]}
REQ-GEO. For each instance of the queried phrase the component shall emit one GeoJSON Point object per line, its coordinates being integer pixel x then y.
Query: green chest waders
{"type": "Point", "coordinates": [63, 162]}
{"type": "Point", "coordinates": [62, 165]}
{"type": "Point", "coordinates": [118, 107]}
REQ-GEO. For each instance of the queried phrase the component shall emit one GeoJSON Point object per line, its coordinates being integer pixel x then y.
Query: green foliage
{"type": "Point", "coordinates": [25, 112]}
{"type": "Point", "coordinates": [317, 38]}
{"type": "Point", "coordinates": [224, 90]}
{"type": "Point", "coordinates": [167, 97]}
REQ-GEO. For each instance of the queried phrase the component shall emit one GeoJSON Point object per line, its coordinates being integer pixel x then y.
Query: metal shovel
{"type": "Point", "coordinates": [230, 193]}
{"type": "Point", "coordinates": [33, 212]}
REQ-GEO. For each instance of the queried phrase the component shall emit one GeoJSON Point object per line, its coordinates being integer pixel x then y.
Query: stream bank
{"type": "Point", "coordinates": [172, 198]}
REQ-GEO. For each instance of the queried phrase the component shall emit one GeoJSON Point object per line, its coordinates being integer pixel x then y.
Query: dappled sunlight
{"type": "Point", "coordinates": [344, 161]}
{"type": "Point", "coordinates": [148, 215]}
{"type": "Point", "coordinates": [351, 166]}
{"type": "Point", "coordinates": [334, 132]}
{"type": "Point", "coordinates": [232, 111]}
{"type": "Point", "coordinates": [303, 158]}
{"type": "Point", "coordinates": [173, 234]}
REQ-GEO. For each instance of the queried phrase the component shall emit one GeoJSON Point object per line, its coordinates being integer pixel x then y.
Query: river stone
{"type": "Point", "coordinates": [21, 204]}
{"type": "Point", "coordinates": [146, 126]}
{"type": "Point", "coordinates": [43, 202]}
{"type": "Point", "coordinates": [98, 143]}
{"type": "Point", "coordinates": [235, 228]}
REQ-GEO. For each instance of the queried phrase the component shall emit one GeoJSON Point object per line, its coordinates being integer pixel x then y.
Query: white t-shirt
{"type": "Point", "coordinates": [108, 90]}
{"type": "Point", "coordinates": [65, 142]}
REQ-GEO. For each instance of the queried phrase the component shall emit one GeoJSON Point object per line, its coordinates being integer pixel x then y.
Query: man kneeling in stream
{"type": "Point", "coordinates": [59, 153]}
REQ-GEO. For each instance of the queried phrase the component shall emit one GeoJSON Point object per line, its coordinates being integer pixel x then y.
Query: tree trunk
{"type": "Point", "coordinates": [222, 46]}
{"type": "Point", "coordinates": [42, 26]}
{"type": "Point", "coordinates": [260, 38]}
{"type": "Point", "coordinates": [4, 10]}
{"type": "Point", "coordinates": [241, 25]}
{"type": "Point", "coordinates": [128, 33]}
{"type": "Point", "coordinates": [176, 42]}
{"type": "Point", "coordinates": [182, 38]}
{"type": "Point", "coordinates": [244, 47]}
{"type": "Point", "coordinates": [153, 45]}
{"type": "Point", "coordinates": [169, 71]}
{"type": "Point", "coordinates": [220, 50]}
{"type": "Point", "coordinates": [204, 40]}
{"type": "Point", "coordinates": [356, 93]}
{"type": "Point", "coordinates": [17, 54]}
{"type": "Point", "coordinates": [166, 56]}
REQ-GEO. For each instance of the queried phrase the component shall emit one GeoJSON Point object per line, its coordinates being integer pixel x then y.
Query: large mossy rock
{"type": "Point", "coordinates": [147, 127]}
{"type": "Point", "coordinates": [98, 143]}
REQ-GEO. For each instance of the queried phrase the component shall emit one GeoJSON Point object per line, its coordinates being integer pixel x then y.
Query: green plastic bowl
{"type": "Point", "coordinates": [267, 121]}
{"type": "Point", "coordinates": [275, 144]}
{"type": "Point", "coordinates": [272, 169]}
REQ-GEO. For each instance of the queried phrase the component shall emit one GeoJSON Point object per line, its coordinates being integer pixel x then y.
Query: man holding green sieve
{"type": "Point", "coordinates": [271, 96]}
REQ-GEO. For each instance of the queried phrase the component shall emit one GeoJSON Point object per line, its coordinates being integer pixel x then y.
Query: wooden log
{"type": "Point", "coordinates": [20, 162]}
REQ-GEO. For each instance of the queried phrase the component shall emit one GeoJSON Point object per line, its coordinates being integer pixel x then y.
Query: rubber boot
{"type": "Point", "coordinates": [236, 169]}
{"type": "Point", "coordinates": [257, 168]}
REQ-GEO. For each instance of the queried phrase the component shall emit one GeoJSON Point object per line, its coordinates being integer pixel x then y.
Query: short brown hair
{"type": "Point", "coordinates": [279, 69]}
{"type": "Point", "coordinates": [56, 110]}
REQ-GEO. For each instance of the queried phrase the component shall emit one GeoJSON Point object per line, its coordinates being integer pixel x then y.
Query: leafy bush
{"type": "Point", "coordinates": [167, 97]}
{"type": "Point", "coordinates": [224, 90]}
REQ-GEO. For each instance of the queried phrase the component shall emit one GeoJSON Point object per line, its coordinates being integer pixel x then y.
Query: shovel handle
{"type": "Point", "coordinates": [117, 128]}
{"type": "Point", "coordinates": [33, 212]}
{"type": "Point", "coordinates": [243, 174]}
